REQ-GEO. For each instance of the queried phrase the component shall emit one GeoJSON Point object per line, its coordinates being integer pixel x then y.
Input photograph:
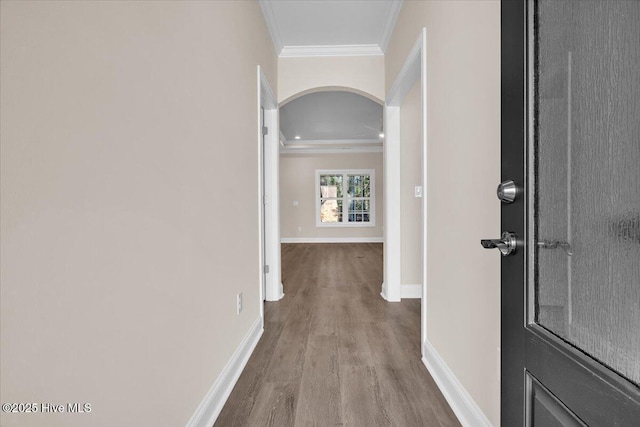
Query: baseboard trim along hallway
{"type": "Point", "coordinates": [411, 291]}
{"type": "Point", "coordinates": [213, 402]}
{"type": "Point", "coordinates": [468, 412]}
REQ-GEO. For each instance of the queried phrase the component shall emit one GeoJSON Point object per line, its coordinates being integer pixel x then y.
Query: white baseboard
{"type": "Point", "coordinates": [390, 293]}
{"type": "Point", "coordinates": [383, 292]}
{"type": "Point", "coordinates": [332, 240]}
{"type": "Point", "coordinates": [468, 412]}
{"type": "Point", "coordinates": [210, 407]}
{"type": "Point", "coordinates": [278, 296]}
{"type": "Point", "coordinates": [411, 291]}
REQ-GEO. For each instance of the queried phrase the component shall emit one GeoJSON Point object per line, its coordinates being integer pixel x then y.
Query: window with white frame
{"type": "Point", "coordinates": [345, 198]}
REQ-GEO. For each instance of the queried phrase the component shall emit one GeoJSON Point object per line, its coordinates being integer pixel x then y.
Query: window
{"type": "Point", "coordinates": [345, 198]}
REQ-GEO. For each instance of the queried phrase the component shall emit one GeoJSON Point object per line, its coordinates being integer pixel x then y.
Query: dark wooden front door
{"type": "Point", "coordinates": [571, 143]}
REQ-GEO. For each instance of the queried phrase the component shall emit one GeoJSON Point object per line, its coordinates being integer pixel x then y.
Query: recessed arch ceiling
{"type": "Point", "coordinates": [331, 119]}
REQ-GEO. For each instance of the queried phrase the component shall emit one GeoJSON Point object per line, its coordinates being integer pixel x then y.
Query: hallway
{"type": "Point", "coordinates": [334, 352]}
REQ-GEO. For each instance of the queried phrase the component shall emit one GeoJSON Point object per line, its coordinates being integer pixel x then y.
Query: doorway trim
{"type": "Point", "coordinates": [414, 69]}
{"type": "Point", "coordinates": [271, 288]}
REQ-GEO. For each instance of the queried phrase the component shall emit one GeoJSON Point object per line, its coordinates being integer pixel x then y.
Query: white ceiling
{"type": "Point", "coordinates": [330, 27]}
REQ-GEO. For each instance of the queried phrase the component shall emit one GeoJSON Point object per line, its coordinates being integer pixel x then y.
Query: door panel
{"type": "Point", "coordinates": [587, 177]}
{"type": "Point", "coordinates": [599, 396]}
{"type": "Point", "coordinates": [571, 142]}
{"type": "Point", "coordinates": [544, 409]}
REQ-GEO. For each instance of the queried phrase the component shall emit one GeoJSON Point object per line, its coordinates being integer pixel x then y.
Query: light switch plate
{"type": "Point", "coordinates": [418, 191]}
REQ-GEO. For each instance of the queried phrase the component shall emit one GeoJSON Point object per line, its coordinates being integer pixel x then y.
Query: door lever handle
{"type": "Point", "coordinates": [506, 245]}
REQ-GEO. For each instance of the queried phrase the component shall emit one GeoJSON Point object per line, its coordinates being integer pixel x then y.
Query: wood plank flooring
{"type": "Point", "coordinates": [334, 353]}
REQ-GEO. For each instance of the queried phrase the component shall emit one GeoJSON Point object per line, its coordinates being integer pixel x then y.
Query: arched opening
{"type": "Point", "coordinates": [331, 172]}
{"type": "Point", "coordinates": [331, 89]}
{"type": "Point", "coordinates": [331, 121]}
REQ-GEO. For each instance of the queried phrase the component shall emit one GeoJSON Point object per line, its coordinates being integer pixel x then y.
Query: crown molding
{"type": "Point", "coordinates": [331, 50]}
{"type": "Point", "coordinates": [333, 150]}
{"type": "Point", "coordinates": [324, 142]}
{"type": "Point", "coordinates": [272, 25]}
{"type": "Point", "coordinates": [389, 25]}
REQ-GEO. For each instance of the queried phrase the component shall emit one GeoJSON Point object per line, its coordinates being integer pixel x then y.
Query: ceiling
{"type": "Point", "coordinates": [330, 121]}
{"type": "Point", "coordinates": [333, 120]}
{"type": "Point", "coordinates": [330, 27]}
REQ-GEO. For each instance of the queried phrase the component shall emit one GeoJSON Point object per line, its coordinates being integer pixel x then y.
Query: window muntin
{"type": "Point", "coordinates": [346, 198]}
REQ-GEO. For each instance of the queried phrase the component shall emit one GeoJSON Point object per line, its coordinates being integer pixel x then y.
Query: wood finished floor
{"type": "Point", "coordinates": [334, 352]}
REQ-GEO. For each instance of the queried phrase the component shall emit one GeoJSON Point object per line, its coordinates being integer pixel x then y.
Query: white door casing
{"type": "Point", "coordinates": [269, 157]}
{"type": "Point", "coordinates": [414, 68]}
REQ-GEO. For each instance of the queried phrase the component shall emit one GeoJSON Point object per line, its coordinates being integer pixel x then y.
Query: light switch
{"type": "Point", "coordinates": [418, 191]}
{"type": "Point", "coordinates": [295, 203]}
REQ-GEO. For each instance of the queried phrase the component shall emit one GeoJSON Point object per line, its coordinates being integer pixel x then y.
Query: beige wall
{"type": "Point", "coordinates": [410, 176]}
{"type": "Point", "coordinates": [363, 73]}
{"type": "Point", "coordinates": [298, 181]}
{"type": "Point", "coordinates": [463, 85]}
{"type": "Point", "coordinates": [127, 229]}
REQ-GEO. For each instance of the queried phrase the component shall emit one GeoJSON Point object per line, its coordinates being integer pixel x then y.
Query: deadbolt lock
{"type": "Point", "coordinates": [507, 191]}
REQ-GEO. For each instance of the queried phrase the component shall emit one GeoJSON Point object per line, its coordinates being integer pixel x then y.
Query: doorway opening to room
{"type": "Point", "coordinates": [331, 168]}
{"type": "Point", "coordinates": [332, 203]}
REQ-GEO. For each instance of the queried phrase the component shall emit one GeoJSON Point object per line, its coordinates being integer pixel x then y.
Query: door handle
{"type": "Point", "coordinates": [506, 245]}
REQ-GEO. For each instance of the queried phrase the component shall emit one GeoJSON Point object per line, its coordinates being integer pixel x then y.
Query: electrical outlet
{"type": "Point", "coordinates": [239, 303]}
{"type": "Point", "coordinates": [299, 228]}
